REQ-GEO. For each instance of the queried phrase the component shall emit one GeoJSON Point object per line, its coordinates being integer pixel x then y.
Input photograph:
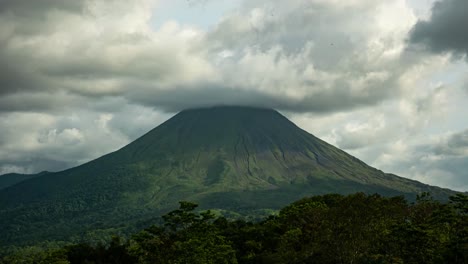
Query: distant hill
{"type": "Point", "coordinates": [231, 158]}
{"type": "Point", "coordinates": [10, 179]}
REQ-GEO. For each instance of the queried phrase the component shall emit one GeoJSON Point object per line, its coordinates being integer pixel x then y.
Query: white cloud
{"type": "Point", "coordinates": [291, 57]}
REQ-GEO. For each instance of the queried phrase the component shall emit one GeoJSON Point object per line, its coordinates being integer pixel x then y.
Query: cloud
{"type": "Point", "coordinates": [304, 56]}
{"type": "Point", "coordinates": [23, 7]}
{"type": "Point", "coordinates": [437, 160]}
{"type": "Point", "coordinates": [445, 162]}
{"type": "Point", "coordinates": [357, 135]}
{"type": "Point", "coordinates": [455, 145]}
{"type": "Point", "coordinates": [41, 102]}
{"type": "Point", "coordinates": [445, 31]}
{"type": "Point", "coordinates": [47, 142]}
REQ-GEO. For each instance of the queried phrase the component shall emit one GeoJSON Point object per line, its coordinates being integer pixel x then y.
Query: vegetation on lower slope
{"type": "Point", "coordinates": [332, 228]}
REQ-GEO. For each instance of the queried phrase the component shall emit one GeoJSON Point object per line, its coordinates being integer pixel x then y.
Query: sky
{"type": "Point", "coordinates": [386, 81]}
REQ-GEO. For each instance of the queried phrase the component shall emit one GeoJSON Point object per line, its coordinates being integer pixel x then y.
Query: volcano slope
{"type": "Point", "coordinates": [230, 158]}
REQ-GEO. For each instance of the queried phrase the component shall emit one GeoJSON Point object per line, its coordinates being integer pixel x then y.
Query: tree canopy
{"type": "Point", "coordinates": [331, 228]}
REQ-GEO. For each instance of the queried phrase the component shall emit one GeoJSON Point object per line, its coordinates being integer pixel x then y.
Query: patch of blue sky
{"type": "Point", "coordinates": [203, 14]}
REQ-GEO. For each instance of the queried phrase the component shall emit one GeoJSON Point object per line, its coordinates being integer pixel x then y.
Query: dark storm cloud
{"type": "Point", "coordinates": [446, 30]}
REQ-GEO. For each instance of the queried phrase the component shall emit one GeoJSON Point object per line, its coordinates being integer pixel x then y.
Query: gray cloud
{"type": "Point", "coordinates": [295, 57]}
{"type": "Point", "coordinates": [331, 30]}
{"type": "Point", "coordinates": [211, 94]}
{"type": "Point", "coordinates": [59, 141]}
{"type": "Point", "coordinates": [16, 75]}
{"type": "Point", "coordinates": [442, 161]}
{"type": "Point", "coordinates": [455, 145]}
{"type": "Point", "coordinates": [40, 102]}
{"type": "Point", "coordinates": [446, 30]}
{"type": "Point", "coordinates": [29, 8]}
{"type": "Point", "coordinates": [446, 172]}
{"type": "Point", "coordinates": [32, 17]}
{"type": "Point", "coordinates": [446, 161]}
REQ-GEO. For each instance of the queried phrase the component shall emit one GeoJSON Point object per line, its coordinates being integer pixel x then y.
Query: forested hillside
{"type": "Point", "coordinates": [332, 228]}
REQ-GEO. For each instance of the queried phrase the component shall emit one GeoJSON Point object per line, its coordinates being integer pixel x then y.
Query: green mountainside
{"type": "Point", "coordinates": [232, 158]}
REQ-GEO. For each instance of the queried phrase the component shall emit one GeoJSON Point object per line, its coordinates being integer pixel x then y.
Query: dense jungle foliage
{"type": "Point", "coordinates": [332, 228]}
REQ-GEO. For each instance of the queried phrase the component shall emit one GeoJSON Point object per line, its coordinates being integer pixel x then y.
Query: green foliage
{"type": "Point", "coordinates": [36, 255]}
{"type": "Point", "coordinates": [186, 237]}
{"type": "Point", "coordinates": [332, 228]}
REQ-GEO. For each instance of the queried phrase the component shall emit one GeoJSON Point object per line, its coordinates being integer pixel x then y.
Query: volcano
{"type": "Point", "coordinates": [231, 158]}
